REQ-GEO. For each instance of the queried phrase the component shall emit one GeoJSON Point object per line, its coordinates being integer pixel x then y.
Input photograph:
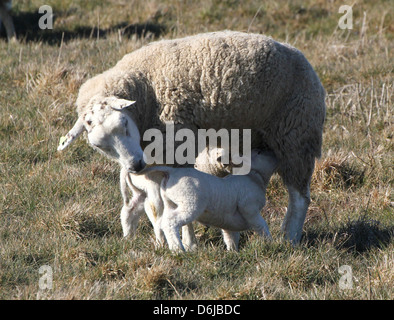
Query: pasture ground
{"type": "Point", "coordinates": [62, 209]}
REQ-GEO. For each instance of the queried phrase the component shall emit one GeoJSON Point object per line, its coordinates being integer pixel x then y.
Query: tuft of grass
{"type": "Point", "coordinates": [336, 172]}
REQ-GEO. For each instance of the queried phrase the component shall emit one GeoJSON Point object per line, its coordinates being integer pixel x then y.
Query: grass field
{"type": "Point", "coordinates": [62, 209]}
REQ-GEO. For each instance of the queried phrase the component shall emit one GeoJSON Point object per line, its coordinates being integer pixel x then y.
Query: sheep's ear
{"type": "Point", "coordinates": [71, 135]}
{"type": "Point", "coordinates": [119, 104]}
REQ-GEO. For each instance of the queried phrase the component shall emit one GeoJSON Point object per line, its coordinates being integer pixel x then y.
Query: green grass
{"type": "Point", "coordinates": [62, 209]}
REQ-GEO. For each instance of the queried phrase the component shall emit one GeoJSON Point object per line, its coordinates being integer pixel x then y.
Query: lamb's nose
{"type": "Point", "coordinates": [137, 167]}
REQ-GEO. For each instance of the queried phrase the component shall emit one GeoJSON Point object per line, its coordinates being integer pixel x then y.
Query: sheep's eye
{"type": "Point", "coordinates": [89, 122]}
{"type": "Point", "coordinates": [125, 125]}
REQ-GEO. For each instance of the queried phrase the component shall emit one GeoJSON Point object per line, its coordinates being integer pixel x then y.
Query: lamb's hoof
{"type": "Point", "coordinates": [192, 247]}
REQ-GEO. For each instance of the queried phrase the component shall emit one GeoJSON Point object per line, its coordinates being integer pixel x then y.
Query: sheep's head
{"type": "Point", "coordinates": [110, 130]}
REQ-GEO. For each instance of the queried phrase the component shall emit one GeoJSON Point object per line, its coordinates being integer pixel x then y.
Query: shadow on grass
{"type": "Point", "coordinates": [27, 29]}
{"type": "Point", "coordinates": [357, 236]}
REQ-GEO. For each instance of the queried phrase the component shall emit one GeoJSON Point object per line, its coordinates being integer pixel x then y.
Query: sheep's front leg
{"type": "Point", "coordinates": [295, 215]}
{"type": "Point", "coordinates": [231, 239]}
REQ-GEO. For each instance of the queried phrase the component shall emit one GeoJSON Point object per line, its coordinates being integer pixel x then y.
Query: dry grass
{"type": "Point", "coordinates": [62, 210]}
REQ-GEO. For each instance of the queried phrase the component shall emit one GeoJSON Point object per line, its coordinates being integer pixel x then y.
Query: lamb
{"type": "Point", "coordinates": [232, 203]}
{"type": "Point", "coordinates": [146, 198]}
{"type": "Point", "coordinates": [145, 190]}
{"type": "Point", "coordinates": [5, 17]}
{"type": "Point", "coordinates": [218, 80]}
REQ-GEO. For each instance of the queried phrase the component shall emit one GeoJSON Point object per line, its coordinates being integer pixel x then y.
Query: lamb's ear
{"type": "Point", "coordinates": [71, 135]}
{"type": "Point", "coordinates": [119, 104]}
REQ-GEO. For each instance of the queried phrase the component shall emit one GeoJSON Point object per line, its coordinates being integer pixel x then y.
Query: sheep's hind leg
{"type": "Point", "coordinates": [295, 215]}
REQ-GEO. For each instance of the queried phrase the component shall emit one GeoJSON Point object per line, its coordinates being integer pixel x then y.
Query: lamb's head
{"type": "Point", "coordinates": [111, 131]}
{"type": "Point", "coordinates": [264, 162]}
{"type": "Point", "coordinates": [210, 161]}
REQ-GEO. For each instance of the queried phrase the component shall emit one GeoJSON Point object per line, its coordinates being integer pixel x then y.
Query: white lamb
{"type": "Point", "coordinates": [145, 198]}
{"type": "Point", "coordinates": [145, 190]}
{"type": "Point", "coordinates": [232, 203]}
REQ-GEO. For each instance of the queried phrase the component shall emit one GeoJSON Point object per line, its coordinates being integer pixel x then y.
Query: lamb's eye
{"type": "Point", "coordinates": [89, 122]}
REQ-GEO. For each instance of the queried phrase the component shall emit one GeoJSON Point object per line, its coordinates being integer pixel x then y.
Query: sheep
{"type": "Point", "coordinates": [5, 17]}
{"type": "Point", "coordinates": [220, 80]}
{"type": "Point", "coordinates": [232, 203]}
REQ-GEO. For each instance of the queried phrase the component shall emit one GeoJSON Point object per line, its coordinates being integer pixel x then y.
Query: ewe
{"type": "Point", "coordinates": [217, 80]}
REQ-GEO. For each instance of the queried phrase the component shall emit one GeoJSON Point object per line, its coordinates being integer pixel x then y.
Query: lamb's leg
{"type": "Point", "coordinates": [159, 233]}
{"type": "Point", "coordinates": [231, 239]}
{"type": "Point", "coordinates": [251, 213]}
{"type": "Point", "coordinates": [188, 237]}
{"type": "Point", "coordinates": [129, 217]}
{"type": "Point", "coordinates": [173, 237]}
{"type": "Point", "coordinates": [133, 206]}
{"type": "Point", "coordinates": [153, 212]}
{"type": "Point", "coordinates": [296, 213]}
{"type": "Point", "coordinates": [171, 226]}
{"type": "Point", "coordinates": [260, 226]}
